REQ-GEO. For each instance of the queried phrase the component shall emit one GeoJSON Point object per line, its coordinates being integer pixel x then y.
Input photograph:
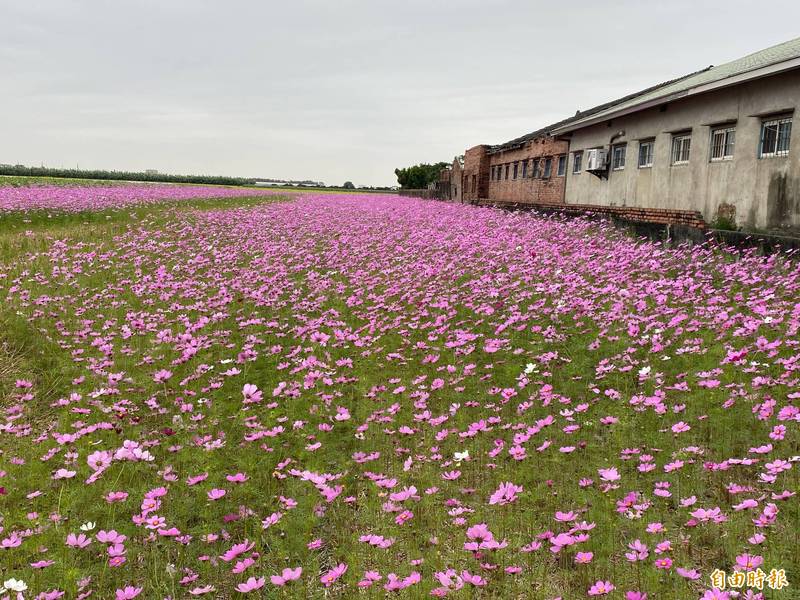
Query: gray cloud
{"type": "Point", "coordinates": [334, 90]}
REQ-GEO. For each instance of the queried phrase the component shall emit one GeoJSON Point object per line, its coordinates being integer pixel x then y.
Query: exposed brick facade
{"type": "Point", "coordinates": [690, 218]}
{"type": "Point", "coordinates": [476, 174]}
{"type": "Point", "coordinates": [529, 173]}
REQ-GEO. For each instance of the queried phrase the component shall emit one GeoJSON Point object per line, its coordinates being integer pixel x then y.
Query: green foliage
{"type": "Point", "coordinates": [419, 176]}
{"type": "Point", "coordinates": [725, 223]}
{"type": "Point", "coordinates": [348, 185]}
{"type": "Point", "coordinates": [22, 171]}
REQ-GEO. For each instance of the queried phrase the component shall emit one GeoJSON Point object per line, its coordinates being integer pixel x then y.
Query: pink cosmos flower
{"type": "Point", "coordinates": [79, 541]}
{"type": "Point", "coordinates": [680, 427]}
{"type": "Point", "coordinates": [251, 394]}
{"type": "Point", "coordinates": [663, 563]}
{"type": "Point", "coordinates": [162, 375]}
{"type": "Point", "coordinates": [128, 593]}
{"type": "Point", "coordinates": [638, 551]}
{"type": "Point", "coordinates": [748, 562]}
{"type": "Point", "coordinates": [601, 588]}
{"type": "Point", "coordinates": [110, 537]}
{"type": "Point", "coordinates": [715, 594]}
{"type": "Point", "coordinates": [335, 573]}
{"type": "Point", "coordinates": [610, 474]}
{"type": "Point", "coordinates": [251, 584]}
{"type": "Point", "coordinates": [583, 558]}
{"type": "Point", "coordinates": [112, 497]}
{"type": "Point", "coordinates": [201, 590]}
{"type": "Point", "coordinates": [369, 579]}
{"type": "Point", "coordinates": [64, 474]}
{"type": "Point", "coordinates": [42, 564]}
{"type": "Point", "coordinates": [286, 576]}
{"type": "Point", "coordinates": [692, 574]}
{"type": "Point", "coordinates": [216, 494]}
{"type": "Point", "coordinates": [505, 494]}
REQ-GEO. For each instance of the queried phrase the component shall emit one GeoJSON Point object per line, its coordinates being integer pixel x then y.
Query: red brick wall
{"type": "Point", "coordinates": [476, 174]}
{"type": "Point", "coordinates": [533, 189]}
{"type": "Point", "coordinates": [690, 218]}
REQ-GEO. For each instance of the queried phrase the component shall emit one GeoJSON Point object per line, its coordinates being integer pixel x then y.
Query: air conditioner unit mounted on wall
{"type": "Point", "coordinates": [596, 159]}
{"type": "Point", "coordinates": [597, 162]}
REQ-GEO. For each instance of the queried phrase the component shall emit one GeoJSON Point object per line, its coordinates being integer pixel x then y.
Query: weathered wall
{"type": "Point", "coordinates": [532, 187]}
{"type": "Point", "coordinates": [759, 192]}
{"type": "Point", "coordinates": [457, 181]}
{"type": "Point", "coordinates": [476, 174]}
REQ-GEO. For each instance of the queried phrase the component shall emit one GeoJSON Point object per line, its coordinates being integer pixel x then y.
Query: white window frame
{"type": "Point", "coordinates": [781, 124]}
{"type": "Point", "coordinates": [614, 165]}
{"type": "Point", "coordinates": [577, 162]}
{"type": "Point", "coordinates": [651, 142]}
{"type": "Point", "coordinates": [681, 149]}
{"type": "Point", "coordinates": [727, 145]}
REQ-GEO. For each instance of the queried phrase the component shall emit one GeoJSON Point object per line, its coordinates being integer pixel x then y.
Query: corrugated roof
{"type": "Point", "coordinates": [757, 60]}
{"type": "Point", "coordinates": [768, 57]}
{"type": "Point", "coordinates": [581, 114]}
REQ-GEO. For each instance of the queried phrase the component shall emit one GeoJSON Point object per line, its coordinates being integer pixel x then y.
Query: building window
{"type": "Point", "coordinates": [577, 159]}
{"type": "Point", "coordinates": [562, 165]}
{"type": "Point", "coordinates": [618, 157]}
{"type": "Point", "coordinates": [474, 183]}
{"type": "Point", "coordinates": [646, 153]}
{"type": "Point", "coordinates": [516, 170]}
{"type": "Point", "coordinates": [775, 135]}
{"type": "Point", "coordinates": [524, 168]}
{"type": "Point", "coordinates": [535, 169]}
{"type": "Point", "coordinates": [507, 169]}
{"type": "Point", "coordinates": [548, 168]}
{"type": "Point", "coordinates": [722, 141]}
{"type": "Point", "coordinates": [680, 148]}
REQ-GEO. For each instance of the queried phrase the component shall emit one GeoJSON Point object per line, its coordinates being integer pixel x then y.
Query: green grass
{"type": "Point", "coordinates": [29, 349]}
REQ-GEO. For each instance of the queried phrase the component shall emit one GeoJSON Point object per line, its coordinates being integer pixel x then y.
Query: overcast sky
{"type": "Point", "coordinates": [335, 90]}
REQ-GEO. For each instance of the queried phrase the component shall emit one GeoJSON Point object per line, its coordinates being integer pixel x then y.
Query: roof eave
{"type": "Point", "coordinates": [773, 69]}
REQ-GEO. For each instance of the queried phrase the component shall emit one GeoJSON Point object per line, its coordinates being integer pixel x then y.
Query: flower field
{"type": "Point", "coordinates": [76, 198]}
{"type": "Point", "coordinates": [371, 396]}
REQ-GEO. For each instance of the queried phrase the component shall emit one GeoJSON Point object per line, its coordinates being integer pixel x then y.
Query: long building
{"type": "Point", "coordinates": [717, 143]}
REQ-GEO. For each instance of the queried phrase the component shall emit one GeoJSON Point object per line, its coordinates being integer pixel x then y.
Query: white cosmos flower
{"type": "Point", "coordinates": [459, 456]}
{"type": "Point", "coordinates": [530, 368]}
{"type": "Point", "coordinates": [15, 585]}
{"type": "Point", "coordinates": [88, 526]}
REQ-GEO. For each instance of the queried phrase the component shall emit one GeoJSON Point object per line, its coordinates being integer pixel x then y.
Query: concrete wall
{"type": "Point", "coordinates": [457, 181]}
{"type": "Point", "coordinates": [531, 188]}
{"type": "Point", "coordinates": [757, 192]}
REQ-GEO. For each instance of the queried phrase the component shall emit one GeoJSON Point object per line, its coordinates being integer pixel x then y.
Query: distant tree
{"type": "Point", "coordinates": [419, 176]}
{"type": "Point", "coordinates": [348, 185]}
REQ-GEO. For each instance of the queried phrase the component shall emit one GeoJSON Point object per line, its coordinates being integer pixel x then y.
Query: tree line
{"type": "Point", "coordinates": [418, 177]}
{"type": "Point", "coordinates": [23, 171]}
